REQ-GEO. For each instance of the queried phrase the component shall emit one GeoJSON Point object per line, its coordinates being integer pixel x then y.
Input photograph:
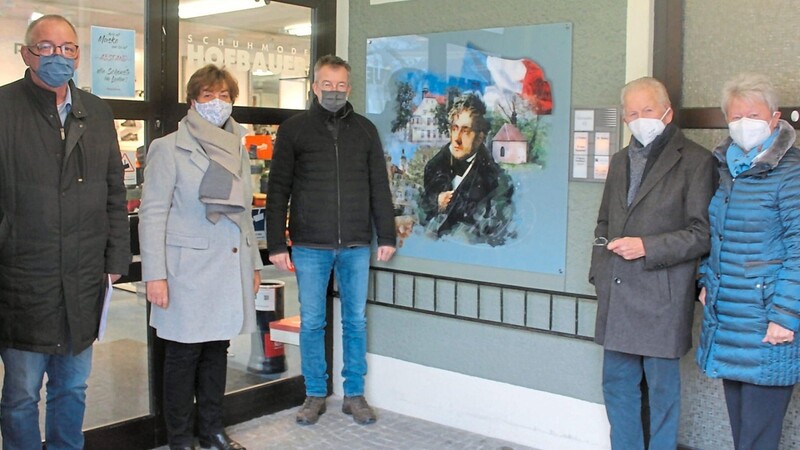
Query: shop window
{"type": "Point", "coordinates": [110, 40]}
{"type": "Point", "coordinates": [267, 47]}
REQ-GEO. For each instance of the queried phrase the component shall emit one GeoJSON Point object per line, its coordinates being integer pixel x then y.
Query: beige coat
{"type": "Point", "coordinates": [209, 267]}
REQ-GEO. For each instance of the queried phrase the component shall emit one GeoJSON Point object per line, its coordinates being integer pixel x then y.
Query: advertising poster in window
{"type": "Point", "coordinates": [475, 129]}
{"type": "Point", "coordinates": [113, 62]}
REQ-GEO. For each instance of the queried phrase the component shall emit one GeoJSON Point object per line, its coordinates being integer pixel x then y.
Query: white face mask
{"type": "Point", "coordinates": [215, 111]}
{"type": "Point", "coordinates": [749, 133]}
{"type": "Point", "coordinates": [646, 130]}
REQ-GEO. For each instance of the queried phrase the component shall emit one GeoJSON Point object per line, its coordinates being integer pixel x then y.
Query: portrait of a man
{"type": "Point", "coordinates": [465, 191]}
{"type": "Point", "coordinates": [475, 126]}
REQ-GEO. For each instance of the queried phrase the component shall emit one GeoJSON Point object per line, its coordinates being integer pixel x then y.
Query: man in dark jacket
{"type": "Point", "coordinates": [465, 189]}
{"type": "Point", "coordinates": [651, 229]}
{"type": "Point", "coordinates": [63, 236]}
{"type": "Point", "coordinates": [329, 162]}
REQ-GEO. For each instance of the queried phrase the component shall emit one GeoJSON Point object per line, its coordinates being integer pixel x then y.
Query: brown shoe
{"type": "Point", "coordinates": [312, 408]}
{"type": "Point", "coordinates": [358, 407]}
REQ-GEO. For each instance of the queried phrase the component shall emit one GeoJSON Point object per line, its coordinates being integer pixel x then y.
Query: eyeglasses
{"type": "Point", "coordinates": [327, 86]}
{"type": "Point", "coordinates": [47, 48]}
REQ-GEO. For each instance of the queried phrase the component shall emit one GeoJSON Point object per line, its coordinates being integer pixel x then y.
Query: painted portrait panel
{"type": "Point", "coordinates": [475, 126]}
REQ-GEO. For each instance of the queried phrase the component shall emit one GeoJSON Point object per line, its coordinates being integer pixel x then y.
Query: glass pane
{"type": "Point", "coordinates": [110, 37]}
{"type": "Point", "coordinates": [256, 358]}
{"type": "Point", "coordinates": [119, 388]}
{"type": "Point", "coordinates": [131, 144]}
{"type": "Point", "coordinates": [267, 48]}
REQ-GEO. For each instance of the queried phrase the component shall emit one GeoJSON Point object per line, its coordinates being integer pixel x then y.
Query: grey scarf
{"type": "Point", "coordinates": [638, 160]}
{"type": "Point", "coordinates": [222, 189]}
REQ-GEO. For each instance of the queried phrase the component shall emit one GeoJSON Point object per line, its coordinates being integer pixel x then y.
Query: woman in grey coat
{"type": "Point", "coordinates": [199, 255]}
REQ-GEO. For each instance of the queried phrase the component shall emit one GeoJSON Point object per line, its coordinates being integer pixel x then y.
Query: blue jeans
{"type": "Point", "coordinates": [66, 399]}
{"type": "Point", "coordinates": [622, 376]}
{"type": "Point", "coordinates": [351, 268]}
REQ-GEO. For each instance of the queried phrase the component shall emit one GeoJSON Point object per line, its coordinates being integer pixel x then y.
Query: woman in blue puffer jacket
{"type": "Point", "coordinates": [751, 278]}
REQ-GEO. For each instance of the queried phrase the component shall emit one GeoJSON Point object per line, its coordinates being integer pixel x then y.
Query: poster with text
{"type": "Point", "coordinates": [475, 129]}
{"type": "Point", "coordinates": [113, 62]}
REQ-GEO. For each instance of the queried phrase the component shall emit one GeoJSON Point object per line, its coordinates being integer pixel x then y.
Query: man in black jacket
{"type": "Point", "coordinates": [329, 162]}
{"type": "Point", "coordinates": [466, 191]}
{"type": "Point", "coordinates": [63, 236]}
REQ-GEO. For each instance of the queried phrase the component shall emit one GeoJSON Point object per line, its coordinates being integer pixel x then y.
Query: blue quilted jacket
{"type": "Point", "coordinates": [752, 274]}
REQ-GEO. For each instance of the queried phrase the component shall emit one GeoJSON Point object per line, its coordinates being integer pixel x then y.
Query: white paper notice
{"type": "Point", "coordinates": [101, 331]}
{"type": "Point", "coordinates": [602, 141]}
{"type": "Point", "coordinates": [580, 142]}
{"type": "Point", "coordinates": [600, 167]}
{"type": "Point", "coordinates": [580, 168]}
{"type": "Point", "coordinates": [584, 120]}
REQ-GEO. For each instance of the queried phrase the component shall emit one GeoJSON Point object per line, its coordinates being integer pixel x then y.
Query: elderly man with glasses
{"type": "Point", "coordinates": [63, 237]}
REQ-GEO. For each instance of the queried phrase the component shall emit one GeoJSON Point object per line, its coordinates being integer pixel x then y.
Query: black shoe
{"type": "Point", "coordinates": [219, 441]}
{"type": "Point", "coordinates": [181, 447]}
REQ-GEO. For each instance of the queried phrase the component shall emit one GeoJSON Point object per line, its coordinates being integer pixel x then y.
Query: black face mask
{"type": "Point", "coordinates": [333, 100]}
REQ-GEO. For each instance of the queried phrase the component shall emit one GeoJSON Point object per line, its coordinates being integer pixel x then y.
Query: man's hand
{"type": "Point", "coordinates": [702, 296]}
{"type": "Point", "coordinates": [282, 261]}
{"type": "Point", "coordinates": [776, 334]}
{"type": "Point", "coordinates": [114, 277]}
{"type": "Point", "coordinates": [627, 247]}
{"type": "Point", "coordinates": [385, 252]}
{"type": "Point", "coordinates": [444, 200]}
{"type": "Point", "coordinates": [256, 281]}
{"type": "Point", "coordinates": [157, 293]}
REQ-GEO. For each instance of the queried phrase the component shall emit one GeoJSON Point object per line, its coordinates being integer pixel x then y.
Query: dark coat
{"type": "Point", "coordinates": [63, 218]}
{"type": "Point", "coordinates": [332, 168]}
{"type": "Point", "coordinates": [482, 202]}
{"type": "Point", "coordinates": [645, 306]}
{"type": "Point", "coordinates": [752, 274]}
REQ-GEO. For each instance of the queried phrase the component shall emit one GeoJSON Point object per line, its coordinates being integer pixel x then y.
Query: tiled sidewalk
{"type": "Point", "coordinates": [336, 430]}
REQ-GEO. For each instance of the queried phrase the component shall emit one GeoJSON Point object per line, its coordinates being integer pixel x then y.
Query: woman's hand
{"type": "Point", "coordinates": [157, 293]}
{"type": "Point", "coordinates": [256, 281]}
{"type": "Point", "coordinates": [702, 296]}
{"type": "Point", "coordinates": [776, 334]}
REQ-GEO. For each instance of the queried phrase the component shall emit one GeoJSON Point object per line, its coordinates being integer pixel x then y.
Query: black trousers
{"type": "Point", "coordinates": [756, 414]}
{"type": "Point", "coordinates": [194, 371]}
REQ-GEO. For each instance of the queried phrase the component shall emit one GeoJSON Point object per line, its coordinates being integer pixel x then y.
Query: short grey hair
{"type": "Point", "coordinates": [46, 18]}
{"type": "Point", "coordinates": [332, 61]}
{"type": "Point", "coordinates": [752, 87]}
{"type": "Point", "coordinates": [656, 86]}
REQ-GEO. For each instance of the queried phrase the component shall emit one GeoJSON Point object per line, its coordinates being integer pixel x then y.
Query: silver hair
{"type": "Point", "coordinates": [752, 87]}
{"type": "Point", "coordinates": [657, 87]}
{"type": "Point", "coordinates": [48, 17]}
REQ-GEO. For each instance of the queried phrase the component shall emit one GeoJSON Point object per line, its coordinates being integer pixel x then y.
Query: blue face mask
{"type": "Point", "coordinates": [55, 70]}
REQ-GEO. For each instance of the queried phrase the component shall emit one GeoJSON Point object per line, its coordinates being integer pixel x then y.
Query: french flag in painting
{"type": "Point", "coordinates": [521, 76]}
